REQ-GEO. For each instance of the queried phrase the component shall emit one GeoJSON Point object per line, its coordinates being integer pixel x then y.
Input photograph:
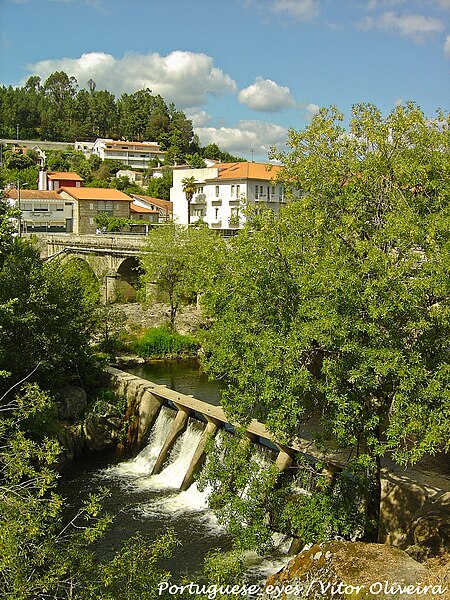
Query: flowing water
{"type": "Point", "coordinates": [149, 504]}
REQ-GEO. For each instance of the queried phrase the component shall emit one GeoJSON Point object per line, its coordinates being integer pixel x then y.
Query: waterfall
{"type": "Point", "coordinates": [129, 471]}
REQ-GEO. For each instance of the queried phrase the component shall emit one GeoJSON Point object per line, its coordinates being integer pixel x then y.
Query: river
{"type": "Point", "coordinates": [150, 504]}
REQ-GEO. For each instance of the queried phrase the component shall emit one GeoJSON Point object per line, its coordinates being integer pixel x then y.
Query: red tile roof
{"type": "Point", "coordinates": [64, 176]}
{"type": "Point", "coordinates": [85, 193]}
{"type": "Point", "coordinates": [33, 195]}
{"type": "Point", "coordinates": [247, 170]}
{"type": "Point", "coordinates": [141, 209]}
{"type": "Point", "coordinates": [168, 206]}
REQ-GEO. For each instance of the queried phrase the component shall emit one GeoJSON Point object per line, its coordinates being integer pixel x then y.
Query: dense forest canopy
{"type": "Point", "coordinates": [58, 110]}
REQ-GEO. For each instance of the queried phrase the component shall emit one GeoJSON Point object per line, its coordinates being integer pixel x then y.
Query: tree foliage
{"type": "Point", "coordinates": [58, 110]}
{"type": "Point", "coordinates": [43, 554]}
{"type": "Point", "coordinates": [175, 261]}
{"type": "Point", "coordinates": [339, 308]}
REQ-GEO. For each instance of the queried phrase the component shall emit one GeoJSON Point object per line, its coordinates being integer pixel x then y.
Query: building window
{"type": "Point", "coordinates": [232, 191]}
{"type": "Point", "coordinates": [238, 190]}
{"type": "Point", "coordinates": [256, 192]}
{"type": "Point", "coordinates": [217, 191]}
{"type": "Point", "coordinates": [27, 206]}
{"type": "Point", "coordinates": [216, 213]}
{"type": "Point", "coordinates": [60, 207]}
{"type": "Point", "coordinates": [39, 206]}
{"type": "Point", "coordinates": [199, 189]}
{"type": "Point", "coordinates": [105, 206]}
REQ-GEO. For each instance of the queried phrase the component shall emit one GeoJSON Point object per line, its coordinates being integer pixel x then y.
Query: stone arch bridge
{"type": "Point", "coordinates": [114, 259]}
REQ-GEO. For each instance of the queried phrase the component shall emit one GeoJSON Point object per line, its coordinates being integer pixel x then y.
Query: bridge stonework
{"type": "Point", "coordinates": [114, 258]}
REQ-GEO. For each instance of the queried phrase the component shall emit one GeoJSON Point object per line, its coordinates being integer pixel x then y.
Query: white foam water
{"type": "Point", "coordinates": [142, 464]}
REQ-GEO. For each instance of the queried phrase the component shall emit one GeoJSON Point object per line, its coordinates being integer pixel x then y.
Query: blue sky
{"type": "Point", "coordinates": [244, 70]}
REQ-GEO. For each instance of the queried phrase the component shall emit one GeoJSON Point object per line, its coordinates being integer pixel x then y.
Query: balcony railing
{"type": "Point", "coordinates": [199, 199]}
{"type": "Point", "coordinates": [269, 197]}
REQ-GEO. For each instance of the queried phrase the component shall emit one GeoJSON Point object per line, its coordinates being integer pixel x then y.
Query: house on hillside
{"type": "Point", "coordinates": [164, 208]}
{"type": "Point", "coordinates": [89, 202]}
{"type": "Point", "coordinates": [136, 155]}
{"type": "Point", "coordinates": [223, 189]}
{"type": "Point", "coordinates": [53, 180]}
{"type": "Point", "coordinates": [43, 211]}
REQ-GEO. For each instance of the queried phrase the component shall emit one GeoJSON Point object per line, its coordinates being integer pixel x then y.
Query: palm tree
{"type": "Point", "coordinates": [189, 191]}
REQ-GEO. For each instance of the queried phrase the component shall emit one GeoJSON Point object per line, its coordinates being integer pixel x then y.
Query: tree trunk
{"type": "Point", "coordinates": [372, 527]}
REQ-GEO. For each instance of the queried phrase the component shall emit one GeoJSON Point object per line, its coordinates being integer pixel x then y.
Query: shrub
{"type": "Point", "coordinates": [161, 342]}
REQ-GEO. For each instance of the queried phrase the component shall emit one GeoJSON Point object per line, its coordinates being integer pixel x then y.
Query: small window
{"type": "Point", "coordinates": [238, 190]}
{"type": "Point", "coordinates": [27, 206]}
{"type": "Point", "coordinates": [233, 191]}
{"type": "Point", "coordinates": [41, 207]}
{"type": "Point", "coordinates": [105, 207]}
{"type": "Point", "coordinates": [60, 207]}
{"type": "Point", "coordinates": [217, 191]}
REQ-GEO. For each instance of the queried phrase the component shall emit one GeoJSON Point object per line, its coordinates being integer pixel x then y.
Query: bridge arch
{"type": "Point", "coordinates": [80, 268]}
{"type": "Point", "coordinates": [128, 278]}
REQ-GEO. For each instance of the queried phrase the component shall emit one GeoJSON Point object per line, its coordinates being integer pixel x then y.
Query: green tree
{"type": "Point", "coordinates": [159, 187]}
{"type": "Point", "coordinates": [174, 261]}
{"type": "Point", "coordinates": [44, 553]}
{"type": "Point", "coordinates": [339, 308]}
{"type": "Point", "coordinates": [49, 321]}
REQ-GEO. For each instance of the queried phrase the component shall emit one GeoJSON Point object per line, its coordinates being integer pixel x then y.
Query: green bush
{"type": "Point", "coordinates": [161, 342]}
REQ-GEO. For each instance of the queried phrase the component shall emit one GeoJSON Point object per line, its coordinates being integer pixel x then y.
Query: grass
{"type": "Point", "coordinates": [160, 342]}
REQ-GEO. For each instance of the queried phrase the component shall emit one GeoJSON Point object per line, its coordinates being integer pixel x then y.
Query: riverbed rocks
{"type": "Point", "coordinates": [72, 402]}
{"type": "Point", "coordinates": [187, 321]}
{"type": "Point", "coordinates": [340, 569]}
{"type": "Point", "coordinates": [99, 430]}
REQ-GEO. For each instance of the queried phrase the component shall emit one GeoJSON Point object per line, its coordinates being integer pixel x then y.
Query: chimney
{"type": "Point", "coordinates": [43, 181]}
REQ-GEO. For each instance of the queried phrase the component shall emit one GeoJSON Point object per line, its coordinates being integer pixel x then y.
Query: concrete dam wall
{"type": "Point", "coordinates": [415, 508]}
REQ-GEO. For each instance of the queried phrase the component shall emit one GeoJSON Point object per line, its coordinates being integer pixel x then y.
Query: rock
{"type": "Point", "coordinates": [340, 569]}
{"type": "Point", "coordinates": [73, 402]}
{"type": "Point", "coordinates": [72, 442]}
{"type": "Point", "coordinates": [102, 430]}
{"type": "Point", "coordinates": [430, 529]}
{"type": "Point", "coordinates": [129, 360]}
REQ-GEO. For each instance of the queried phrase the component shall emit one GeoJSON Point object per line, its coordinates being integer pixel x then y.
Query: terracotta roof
{"type": "Point", "coordinates": [247, 170]}
{"type": "Point", "coordinates": [156, 201]}
{"type": "Point", "coordinates": [140, 209]}
{"type": "Point", "coordinates": [85, 193]}
{"type": "Point", "coordinates": [33, 195]}
{"type": "Point", "coordinates": [64, 175]}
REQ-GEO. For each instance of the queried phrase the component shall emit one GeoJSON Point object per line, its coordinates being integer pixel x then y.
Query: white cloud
{"type": "Point", "coordinates": [311, 110]}
{"type": "Point", "coordinates": [200, 118]}
{"type": "Point", "coordinates": [447, 46]}
{"type": "Point", "coordinates": [444, 4]}
{"type": "Point", "coordinates": [375, 4]}
{"type": "Point", "coordinates": [185, 78]}
{"type": "Point", "coordinates": [300, 10]}
{"type": "Point", "coordinates": [417, 27]}
{"type": "Point", "coordinates": [267, 96]}
{"type": "Point", "coordinates": [258, 136]}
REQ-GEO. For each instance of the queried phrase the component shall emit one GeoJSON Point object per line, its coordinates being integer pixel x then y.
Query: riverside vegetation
{"type": "Point", "coordinates": [338, 308]}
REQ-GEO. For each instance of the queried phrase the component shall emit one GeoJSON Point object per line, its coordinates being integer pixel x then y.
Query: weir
{"type": "Point", "coordinates": [404, 494]}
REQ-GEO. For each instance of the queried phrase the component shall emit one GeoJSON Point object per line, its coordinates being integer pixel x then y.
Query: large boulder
{"type": "Point", "coordinates": [101, 429]}
{"type": "Point", "coordinates": [338, 569]}
{"type": "Point", "coordinates": [72, 402]}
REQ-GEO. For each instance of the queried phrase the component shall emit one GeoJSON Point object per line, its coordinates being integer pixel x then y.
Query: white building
{"type": "Point", "coordinates": [136, 155]}
{"type": "Point", "coordinates": [43, 210]}
{"type": "Point", "coordinates": [222, 190]}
